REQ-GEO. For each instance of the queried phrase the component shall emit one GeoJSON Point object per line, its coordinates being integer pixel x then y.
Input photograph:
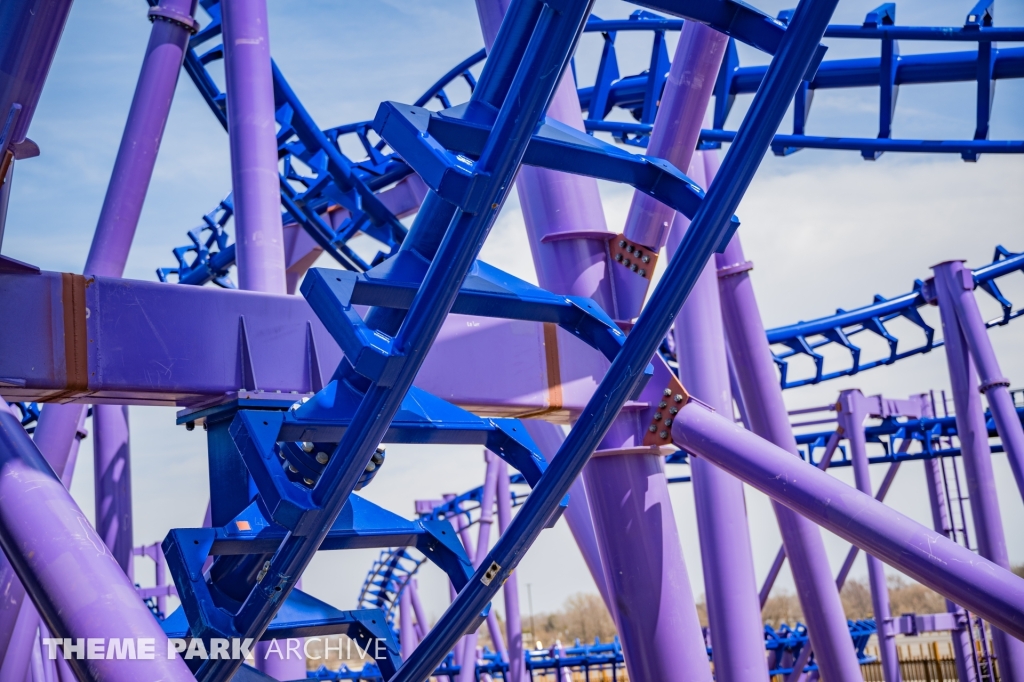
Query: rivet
{"type": "Point", "coordinates": [618, 257]}
{"type": "Point", "coordinates": [667, 392]}
{"type": "Point", "coordinates": [662, 404]}
{"type": "Point", "coordinates": [308, 481]}
{"type": "Point", "coordinates": [643, 273]}
{"type": "Point", "coordinates": [668, 422]}
{"type": "Point", "coordinates": [635, 267]}
{"type": "Point", "coordinates": [653, 428]}
{"type": "Point", "coordinates": [291, 468]}
{"type": "Point", "coordinates": [622, 243]}
{"type": "Point", "coordinates": [657, 416]}
{"type": "Point", "coordinates": [663, 434]}
{"type": "Point", "coordinates": [674, 410]}
{"type": "Point", "coordinates": [370, 467]}
{"type": "Point", "coordinates": [322, 457]}
{"type": "Point", "coordinates": [646, 259]}
{"type": "Point", "coordinates": [629, 249]}
{"type": "Point", "coordinates": [626, 262]}
{"type": "Point", "coordinates": [307, 446]}
{"type": "Point", "coordinates": [678, 398]}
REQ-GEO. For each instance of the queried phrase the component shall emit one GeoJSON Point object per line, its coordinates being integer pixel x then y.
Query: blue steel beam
{"type": "Point", "coordinates": [709, 230]}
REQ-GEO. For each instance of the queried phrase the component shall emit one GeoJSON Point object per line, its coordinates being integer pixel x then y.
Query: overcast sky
{"type": "Point", "coordinates": [825, 230]}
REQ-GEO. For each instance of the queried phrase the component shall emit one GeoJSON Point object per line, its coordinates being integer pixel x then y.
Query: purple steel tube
{"type": "Point", "coordinates": [73, 579]}
{"type": "Point", "coordinates": [113, 483]}
{"type": "Point", "coordinates": [406, 631]}
{"type": "Point", "coordinates": [18, 617]}
{"type": "Point", "coordinates": [58, 424]}
{"type": "Point", "coordinates": [417, 607]}
{"type": "Point", "coordinates": [963, 652]}
{"type": "Point", "coordinates": [478, 552]}
{"type": "Point", "coordinates": [734, 612]}
{"type": "Point", "coordinates": [762, 399]}
{"type": "Point", "coordinates": [255, 181]}
{"type": "Point", "coordinates": [934, 560]}
{"type": "Point", "coordinates": [577, 515]}
{"type": "Point", "coordinates": [563, 213]}
{"type": "Point", "coordinates": [140, 141]}
{"type": "Point", "coordinates": [960, 284]}
{"type": "Point", "coordinates": [691, 80]}
{"type": "Point", "coordinates": [513, 624]}
{"type": "Point", "coordinates": [26, 53]}
{"type": "Point", "coordinates": [977, 457]}
{"type": "Point", "coordinates": [780, 556]}
{"type": "Point", "coordinates": [852, 417]}
{"type": "Point", "coordinates": [657, 616]}
{"type": "Point", "coordinates": [851, 556]}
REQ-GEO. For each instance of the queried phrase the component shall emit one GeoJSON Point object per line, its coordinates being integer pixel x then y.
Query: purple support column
{"type": "Point", "coordinates": [954, 571]}
{"type": "Point", "coordinates": [113, 482]}
{"type": "Point", "coordinates": [259, 234]}
{"type": "Point", "coordinates": [73, 579]}
{"type": "Point", "coordinates": [684, 102]}
{"type": "Point", "coordinates": [58, 424]}
{"type": "Point", "coordinates": [734, 612]}
{"type": "Point", "coordinates": [140, 141]}
{"type": "Point", "coordinates": [26, 54]}
{"type": "Point", "coordinates": [960, 284]}
{"type": "Point", "coordinates": [406, 631]}
{"type": "Point", "coordinates": [976, 453]}
{"type": "Point", "coordinates": [657, 616]}
{"type": "Point", "coordinates": [852, 417]}
{"type": "Point", "coordinates": [766, 411]}
{"type": "Point", "coordinates": [577, 515]}
{"type": "Point", "coordinates": [252, 133]}
{"type": "Point", "coordinates": [780, 556]}
{"type": "Point", "coordinates": [18, 617]}
{"type": "Point", "coordinates": [513, 624]}
{"type": "Point", "coordinates": [479, 552]}
{"type": "Point", "coordinates": [963, 651]}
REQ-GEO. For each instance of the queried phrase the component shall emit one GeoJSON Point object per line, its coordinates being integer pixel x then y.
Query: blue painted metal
{"type": "Point", "coordinates": [309, 510]}
{"type": "Point", "coordinates": [806, 338]}
{"type": "Point", "coordinates": [710, 230]}
{"type": "Point", "coordinates": [888, 71]}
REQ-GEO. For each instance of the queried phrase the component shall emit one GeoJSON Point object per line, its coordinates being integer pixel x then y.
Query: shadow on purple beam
{"type": "Point", "coordinates": [929, 557]}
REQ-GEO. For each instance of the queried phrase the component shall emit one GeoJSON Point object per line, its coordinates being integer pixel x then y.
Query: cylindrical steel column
{"type": "Point", "coordinates": [406, 631]}
{"type": "Point", "coordinates": [513, 623]}
{"type": "Point", "coordinates": [255, 180]}
{"type": "Point", "coordinates": [18, 616]}
{"type": "Point", "coordinates": [113, 482]}
{"type": "Point", "coordinates": [976, 453]}
{"type": "Point", "coordinates": [933, 559]}
{"type": "Point", "coordinates": [140, 141]}
{"type": "Point", "coordinates": [577, 515]}
{"type": "Point", "coordinates": [684, 102]}
{"type": "Point", "coordinates": [734, 612]}
{"type": "Point", "coordinates": [58, 424]}
{"type": "Point", "coordinates": [26, 53]}
{"type": "Point", "coordinates": [657, 616]}
{"type": "Point", "coordinates": [73, 579]}
{"type": "Point", "coordinates": [962, 649]}
{"type": "Point", "coordinates": [762, 397]}
{"type": "Point", "coordinates": [996, 387]}
{"type": "Point", "coordinates": [852, 417]}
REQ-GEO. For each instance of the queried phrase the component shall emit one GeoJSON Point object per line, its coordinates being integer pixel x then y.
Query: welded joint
{"type": "Point", "coordinates": [993, 383]}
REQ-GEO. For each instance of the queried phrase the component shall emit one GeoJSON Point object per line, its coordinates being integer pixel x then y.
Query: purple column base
{"type": "Point", "coordinates": [657, 617]}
